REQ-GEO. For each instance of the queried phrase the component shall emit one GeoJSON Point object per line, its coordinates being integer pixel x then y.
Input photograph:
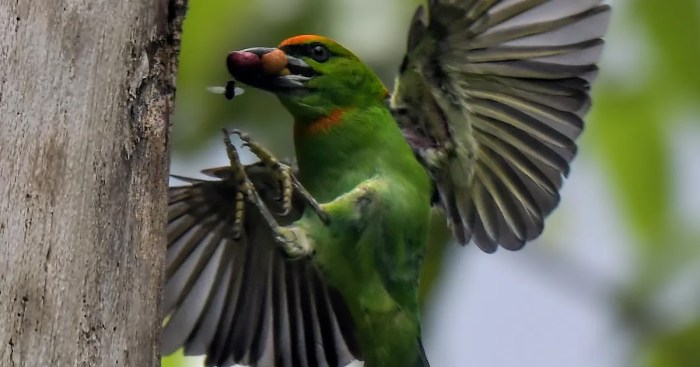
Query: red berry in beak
{"type": "Point", "coordinates": [243, 63]}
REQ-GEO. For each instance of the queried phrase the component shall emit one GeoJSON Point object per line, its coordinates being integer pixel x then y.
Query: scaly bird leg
{"type": "Point", "coordinates": [284, 176]}
{"type": "Point", "coordinates": [246, 190]}
{"type": "Point", "coordinates": [293, 240]}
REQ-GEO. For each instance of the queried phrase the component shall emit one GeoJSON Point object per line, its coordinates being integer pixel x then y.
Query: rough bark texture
{"type": "Point", "coordinates": [86, 93]}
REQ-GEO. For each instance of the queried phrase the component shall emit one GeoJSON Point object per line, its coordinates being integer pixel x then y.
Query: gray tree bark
{"type": "Point", "coordinates": [86, 93]}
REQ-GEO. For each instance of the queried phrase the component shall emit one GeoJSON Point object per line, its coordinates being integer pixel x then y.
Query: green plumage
{"type": "Point", "coordinates": [378, 199]}
{"type": "Point", "coordinates": [481, 124]}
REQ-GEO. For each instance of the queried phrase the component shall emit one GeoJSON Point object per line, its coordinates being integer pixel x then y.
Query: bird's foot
{"type": "Point", "coordinates": [284, 175]}
{"type": "Point", "coordinates": [281, 172]}
{"type": "Point", "coordinates": [295, 243]}
{"type": "Point", "coordinates": [293, 240]}
{"type": "Point", "coordinates": [246, 189]}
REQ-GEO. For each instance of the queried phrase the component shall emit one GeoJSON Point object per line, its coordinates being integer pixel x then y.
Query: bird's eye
{"type": "Point", "coordinates": [320, 53]}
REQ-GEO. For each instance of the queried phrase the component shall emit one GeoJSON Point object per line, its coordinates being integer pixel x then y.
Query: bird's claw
{"type": "Point", "coordinates": [282, 172]}
{"type": "Point", "coordinates": [246, 191]}
{"type": "Point", "coordinates": [284, 175]}
{"type": "Point", "coordinates": [293, 240]}
{"type": "Point", "coordinates": [245, 187]}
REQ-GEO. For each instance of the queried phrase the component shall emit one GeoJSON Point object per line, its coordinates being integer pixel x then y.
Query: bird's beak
{"type": "Point", "coordinates": [270, 69]}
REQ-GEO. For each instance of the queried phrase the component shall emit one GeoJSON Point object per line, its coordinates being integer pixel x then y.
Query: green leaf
{"type": "Point", "coordinates": [678, 349]}
{"type": "Point", "coordinates": [674, 29]}
{"type": "Point", "coordinates": [178, 359]}
{"type": "Point", "coordinates": [627, 134]}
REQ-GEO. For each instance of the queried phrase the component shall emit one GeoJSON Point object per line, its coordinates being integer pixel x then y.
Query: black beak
{"type": "Point", "coordinates": [269, 69]}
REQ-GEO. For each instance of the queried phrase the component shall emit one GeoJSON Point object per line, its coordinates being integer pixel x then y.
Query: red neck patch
{"type": "Point", "coordinates": [320, 126]}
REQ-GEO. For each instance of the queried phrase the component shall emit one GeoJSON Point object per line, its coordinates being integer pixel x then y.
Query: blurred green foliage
{"type": "Point", "coordinates": [651, 78]}
{"type": "Point", "coordinates": [631, 130]}
{"type": "Point", "coordinates": [176, 359]}
{"type": "Point", "coordinates": [679, 349]}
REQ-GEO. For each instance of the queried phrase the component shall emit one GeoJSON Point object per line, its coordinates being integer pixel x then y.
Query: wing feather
{"type": "Point", "coordinates": [491, 96]}
{"type": "Point", "coordinates": [238, 300]}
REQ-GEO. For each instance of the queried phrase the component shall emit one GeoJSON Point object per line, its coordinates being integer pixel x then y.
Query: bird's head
{"type": "Point", "coordinates": [313, 76]}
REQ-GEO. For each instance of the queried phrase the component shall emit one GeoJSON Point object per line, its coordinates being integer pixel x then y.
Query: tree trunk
{"type": "Point", "coordinates": [86, 94]}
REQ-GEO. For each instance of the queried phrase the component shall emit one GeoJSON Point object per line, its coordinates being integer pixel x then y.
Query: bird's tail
{"type": "Point", "coordinates": [422, 360]}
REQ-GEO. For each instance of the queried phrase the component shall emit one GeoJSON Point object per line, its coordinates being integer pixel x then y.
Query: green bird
{"type": "Point", "coordinates": [482, 123]}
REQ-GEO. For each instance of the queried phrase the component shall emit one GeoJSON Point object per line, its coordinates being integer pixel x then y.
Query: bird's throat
{"type": "Point", "coordinates": [322, 125]}
{"type": "Point", "coordinates": [339, 150]}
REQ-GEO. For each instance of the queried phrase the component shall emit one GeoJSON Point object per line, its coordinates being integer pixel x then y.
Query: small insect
{"type": "Point", "coordinates": [229, 91]}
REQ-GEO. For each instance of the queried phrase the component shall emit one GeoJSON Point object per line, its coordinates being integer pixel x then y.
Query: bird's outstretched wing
{"type": "Point", "coordinates": [238, 300]}
{"type": "Point", "coordinates": [491, 96]}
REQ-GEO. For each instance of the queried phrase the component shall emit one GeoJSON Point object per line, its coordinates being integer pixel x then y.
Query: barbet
{"type": "Point", "coordinates": [481, 123]}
